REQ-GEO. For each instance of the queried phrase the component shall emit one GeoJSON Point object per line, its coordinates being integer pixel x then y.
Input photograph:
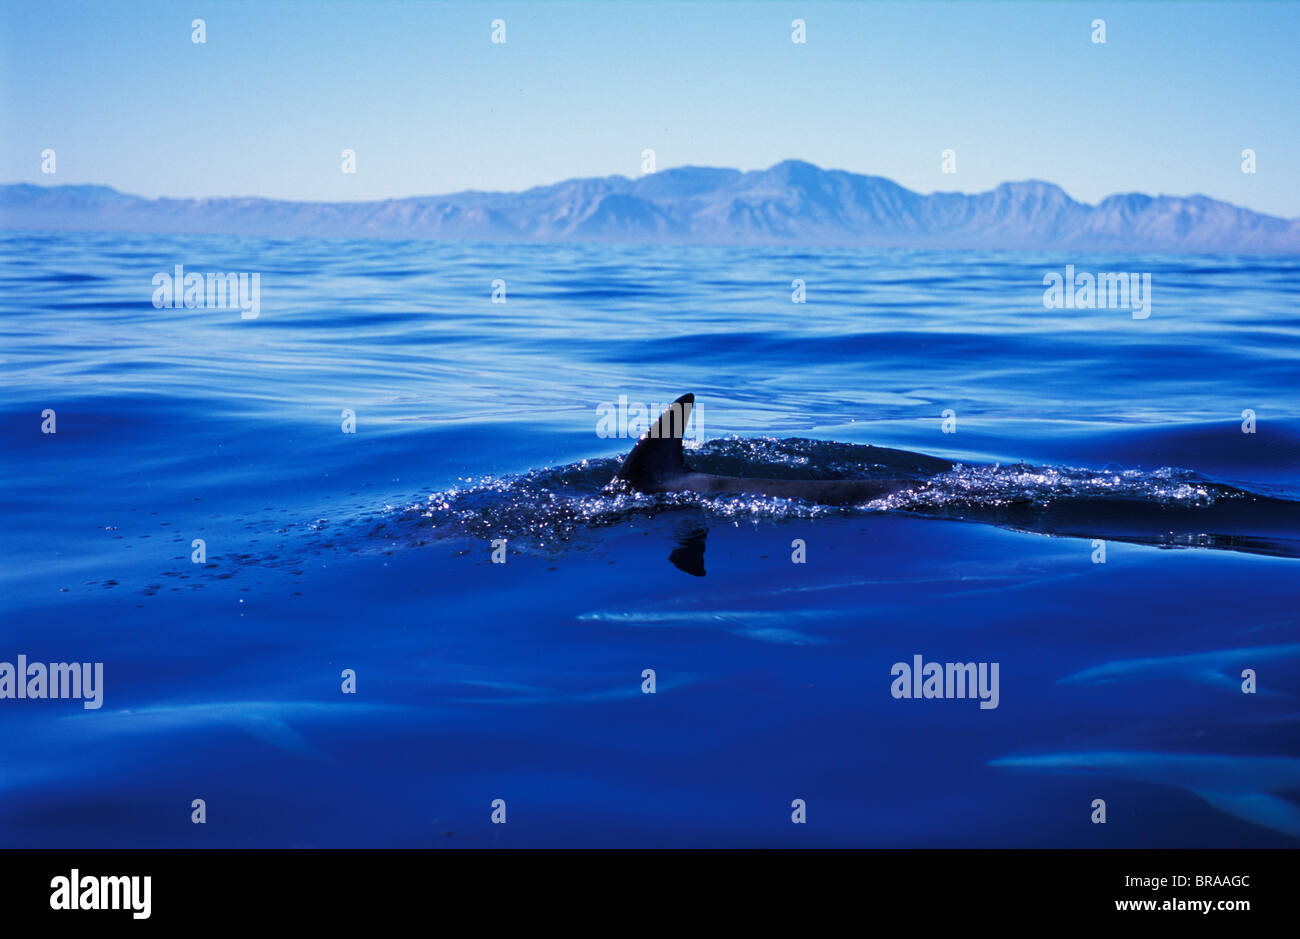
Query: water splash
{"type": "Point", "coordinates": [999, 485]}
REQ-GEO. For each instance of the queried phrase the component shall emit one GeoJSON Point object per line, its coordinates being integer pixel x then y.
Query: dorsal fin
{"type": "Point", "coordinates": [657, 457]}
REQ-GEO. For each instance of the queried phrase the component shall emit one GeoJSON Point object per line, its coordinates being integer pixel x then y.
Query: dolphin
{"type": "Point", "coordinates": [1061, 503]}
{"type": "Point", "coordinates": [656, 464]}
{"type": "Point", "coordinates": [1208, 667]}
{"type": "Point", "coordinates": [266, 721]}
{"type": "Point", "coordinates": [512, 693]}
{"type": "Point", "coordinates": [759, 625]}
{"type": "Point", "coordinates": [1244, 787]}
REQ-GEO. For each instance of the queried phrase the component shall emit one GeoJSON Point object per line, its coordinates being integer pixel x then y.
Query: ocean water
{"type": "Point", "coordinates": [1072, 432]}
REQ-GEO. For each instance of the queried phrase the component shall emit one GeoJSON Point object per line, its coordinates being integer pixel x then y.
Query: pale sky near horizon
{"type": "Point", "coordinates": [430, 105]}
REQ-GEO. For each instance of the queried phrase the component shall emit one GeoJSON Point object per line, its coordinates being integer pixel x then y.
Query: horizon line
{"type": "Point", "coordinates": [633, 179]}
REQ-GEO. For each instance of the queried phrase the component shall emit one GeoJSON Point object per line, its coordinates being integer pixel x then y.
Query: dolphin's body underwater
{"type": "Point", "coordinates": [656, 464]}
{"type": "Point", "coordinates": [1216, 668]}
{"type": "Point", "coordinates": [266, 721]}
{"type": "Point", "coordinates": [1245, 787]}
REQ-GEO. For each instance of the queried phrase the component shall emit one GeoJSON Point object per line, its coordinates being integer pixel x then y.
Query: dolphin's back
{"type": "Point", "coordinates": [656, 464]}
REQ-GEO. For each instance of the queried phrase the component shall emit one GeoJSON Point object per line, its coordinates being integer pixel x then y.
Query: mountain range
{"type": "Point", "coordinates": [793, 203]}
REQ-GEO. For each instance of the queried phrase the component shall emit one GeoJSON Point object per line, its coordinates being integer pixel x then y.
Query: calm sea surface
{"type": "Point", "coordinates": [1076, 432]}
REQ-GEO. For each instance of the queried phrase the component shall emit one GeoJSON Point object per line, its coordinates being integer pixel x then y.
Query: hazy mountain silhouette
{"type": "Point", "coordinates": [791, 203]}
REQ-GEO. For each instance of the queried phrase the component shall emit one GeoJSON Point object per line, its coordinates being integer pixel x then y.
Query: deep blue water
{"type": "Point", "coordinates": [522, 681]}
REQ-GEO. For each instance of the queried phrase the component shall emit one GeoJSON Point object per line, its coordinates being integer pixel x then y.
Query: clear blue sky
{"type": "Point", "coordinates": [580, 89]}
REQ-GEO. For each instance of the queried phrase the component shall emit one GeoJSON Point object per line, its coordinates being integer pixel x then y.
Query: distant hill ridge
{"type": "Point", "coordinates": [793, 203]}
